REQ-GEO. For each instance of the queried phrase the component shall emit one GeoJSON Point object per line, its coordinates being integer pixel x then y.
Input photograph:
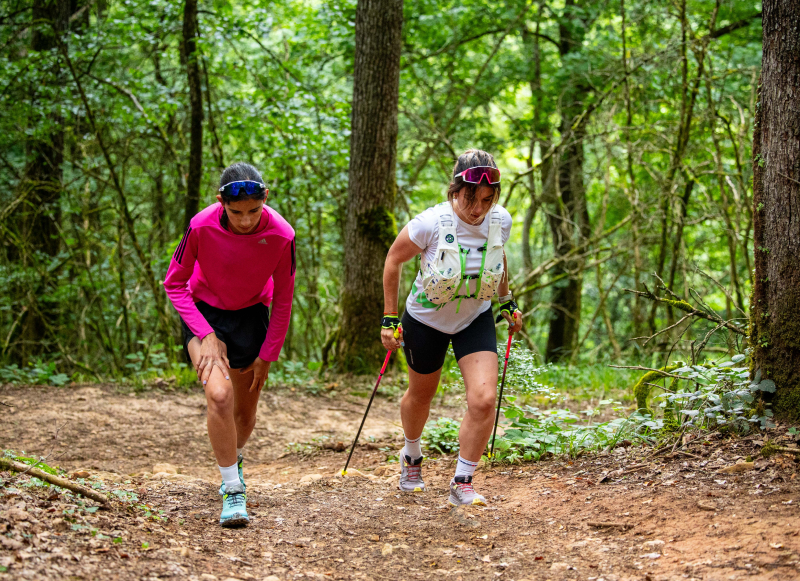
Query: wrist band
{"type": "Point", "coordinates": [506, 298]}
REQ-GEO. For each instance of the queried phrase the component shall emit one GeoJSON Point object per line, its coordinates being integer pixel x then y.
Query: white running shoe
{"type": "Point", "coordinates": [461, 492]}
{"type": "Point", "coordinates": [411, 474]}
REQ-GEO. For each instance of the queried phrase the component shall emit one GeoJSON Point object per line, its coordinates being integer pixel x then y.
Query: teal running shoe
{"type": "Point", "coordinates": [234, 508]}
{"type": "Point", "coordinates": [240, 465]}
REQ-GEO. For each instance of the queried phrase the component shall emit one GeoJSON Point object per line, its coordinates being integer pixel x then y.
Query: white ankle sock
{"type": "Point", "coordinates": [413, 448]}
{"type": "Point", "coordinates": [465, 467]}
{"type": "Point", "coordinates": [230, 475]}
{"type": "Point", "coordinates": [239, 452]}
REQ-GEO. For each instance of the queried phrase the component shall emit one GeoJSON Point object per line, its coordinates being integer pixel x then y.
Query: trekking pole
{"type": "Point", "coordinates": [374, 391]}
{"type": "Point", "coordinates": [500, 397]}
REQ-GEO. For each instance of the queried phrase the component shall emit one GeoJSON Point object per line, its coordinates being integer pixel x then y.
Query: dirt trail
{"type": "Point", "coordinates": [662, 519]}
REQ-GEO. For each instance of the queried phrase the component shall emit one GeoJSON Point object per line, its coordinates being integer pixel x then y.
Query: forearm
{"type": "Point", "coordinates": [502, 288]}
{"type": "Point", "coordinates": [391, 284]}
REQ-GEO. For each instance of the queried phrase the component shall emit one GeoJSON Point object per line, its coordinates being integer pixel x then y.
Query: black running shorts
{"type": "Point", "coordinates": [426, 347]}
{"type": "Point", "coordinates": [242, 331]}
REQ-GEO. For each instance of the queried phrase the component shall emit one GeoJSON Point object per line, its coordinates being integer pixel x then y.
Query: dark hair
{"type": "Point", "coordinates": [468, 159]}
{"type": "Point", "coordinates": [237, 172]}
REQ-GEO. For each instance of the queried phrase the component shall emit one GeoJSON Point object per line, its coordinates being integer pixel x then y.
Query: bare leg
{"type": "Point", "coordinates": [416, 403]}
{"type": "Point", "coordinates": [245, 404]}
{"type": "Point", "coordinates": [480, 377]}
{"type": "Point", "coordinates": [220, 399]}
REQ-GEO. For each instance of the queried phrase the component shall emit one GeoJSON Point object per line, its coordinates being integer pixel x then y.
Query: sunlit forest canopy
{"type": "Point", "coordinates": [623, 131]}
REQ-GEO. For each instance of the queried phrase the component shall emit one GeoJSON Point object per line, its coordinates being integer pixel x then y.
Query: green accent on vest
{"type": "Point", "coordinates": [421, 298]}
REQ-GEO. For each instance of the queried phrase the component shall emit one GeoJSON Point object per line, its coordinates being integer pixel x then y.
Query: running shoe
{"type": "Point", "coordinates": [411, 474]}
{"type": "Point", "coordinates": [240, 465]}
{"type": "Point", "coordinates": [461, 492]}
{"type": "Point", "coordinates": [234, 508]}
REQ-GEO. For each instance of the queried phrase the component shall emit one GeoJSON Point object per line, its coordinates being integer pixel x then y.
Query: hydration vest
{"type": "Point", "coordinates": [443, 277]}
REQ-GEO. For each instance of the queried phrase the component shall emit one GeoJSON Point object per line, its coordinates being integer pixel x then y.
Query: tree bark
{"type": "Point", "coordinates": [45, 154]}
{"type": "Point", "coordinates": [775, 306]}
{"type": "Point", "coordinates": [571, 206]}
{"type": "Point", "coordinates": [370, 228]}
{"type": "Point", "coordinates": [192, 55]}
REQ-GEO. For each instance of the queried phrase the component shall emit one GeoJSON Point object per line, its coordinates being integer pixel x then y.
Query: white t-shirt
{"type": "Point", "coordinates": [424, 232]}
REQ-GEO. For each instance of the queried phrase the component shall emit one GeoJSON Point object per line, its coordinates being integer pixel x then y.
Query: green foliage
{"type": "Point", "coordinates": [35, 373]}
{"type": "Point", "coordinates": [29, 460]}
{"type": "Point", "coordinates": [442, 436]}
{"type": "Point", "coordinates": [720, 395]}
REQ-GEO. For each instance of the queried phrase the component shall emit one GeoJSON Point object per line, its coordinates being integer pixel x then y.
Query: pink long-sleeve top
{"type": "Point", "coordinates": [234, 271]}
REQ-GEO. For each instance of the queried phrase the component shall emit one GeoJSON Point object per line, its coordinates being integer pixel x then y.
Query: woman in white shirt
{"type": "Point", "coordinates": [450, 302]}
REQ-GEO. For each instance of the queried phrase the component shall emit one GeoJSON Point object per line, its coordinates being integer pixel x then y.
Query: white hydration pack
{"type": "Point", "coordinates": [443, 277]}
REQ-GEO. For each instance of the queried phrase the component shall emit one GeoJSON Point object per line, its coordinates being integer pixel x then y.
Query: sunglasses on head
{"type": "Point", "coordinates": [243, 187]}
{"type": "Point", "coordinates": [474, 175]}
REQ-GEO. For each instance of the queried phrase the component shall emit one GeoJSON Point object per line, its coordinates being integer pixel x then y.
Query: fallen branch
{"type": "Point", "coordinates": [786, 450]}
{"type": "Point", "coordinates": [57, 480]}
{"type": "Point", "coordinates": [682, 305]}
{"type": "Point", "coordinates": [640, 368]}
{"type": "Point", "coordinates": [610, 525]}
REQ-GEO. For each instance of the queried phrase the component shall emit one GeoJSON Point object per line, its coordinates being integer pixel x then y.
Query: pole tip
{"type": "Point", "coordinates": [343, 472]}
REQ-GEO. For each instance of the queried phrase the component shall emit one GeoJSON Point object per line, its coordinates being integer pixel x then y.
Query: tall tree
{"type": "Point", "coordinates": [370, 226]}
{"type": "Point", "coordinates": [191, 53]}
{"type": "Point", "coordinates": [569, 220]}
{"type": "Point", "coordinates": [42, 184]}
{"type": "Point", "coordinates": [775, 307]}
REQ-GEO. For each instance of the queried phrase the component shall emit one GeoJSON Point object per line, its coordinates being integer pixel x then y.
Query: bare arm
{"type": "Point", "coordinates": [502, 290]}
{"type": "Point", "coordinates": [402, 250]}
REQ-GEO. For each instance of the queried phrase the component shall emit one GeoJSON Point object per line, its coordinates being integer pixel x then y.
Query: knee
{"type": "Point", "coordinates": [482, 405]}
{"type": "Point", "coordinates": [219, 398]}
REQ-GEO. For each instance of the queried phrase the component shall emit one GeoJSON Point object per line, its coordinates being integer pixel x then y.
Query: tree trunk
{"type": "Point", "coordinates": [191, 53]}
{"type": "Point", "coordinates": [775, 307]}
{"type": "Point", "coordinates": [370, 228]}
{"type": "Point", "coordinates": [571, 211]}
{"type": "Point", "coordinates": [45, 153]}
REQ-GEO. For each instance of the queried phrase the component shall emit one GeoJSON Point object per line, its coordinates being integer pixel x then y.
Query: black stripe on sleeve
{"type": "Point", "coordinates": [294, 263]}
{"type": "Point", "coordinates": [178, 256]}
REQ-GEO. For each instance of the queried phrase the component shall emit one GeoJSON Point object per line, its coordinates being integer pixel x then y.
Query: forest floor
{"type": "Point", "coordinates": [618, 516]}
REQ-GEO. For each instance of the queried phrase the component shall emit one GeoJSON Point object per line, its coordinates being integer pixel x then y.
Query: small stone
{"type": "Point", "coordinates": [208, 577]}
{"type": "Point", "coordinates": [309, 478]}
{"type": "Point", "coordinates": [655, 545]}
{"type": "Point", "coordinates": [560, 567]}
{"type": "Point", "coordinates": [650, 556]}
{"type": "Point", "coordinates": [386, 550]}
{"type": "Point", "coordinates": [165, 467]}
{"type": "Point", "coordinates": [373, 538]}
{"type": "Point", "coordinates": [271, 578]}
{"type": "Point", "coordinates": [80, 474]}
{"type": "Point", "coordinates": [353, 473]}
{"type": "Point", "coordinates": [185, 552]}
{"type": "Point", "coordinates": [706, 506]}
{"type": "Point", "coordinates": [385, 470]}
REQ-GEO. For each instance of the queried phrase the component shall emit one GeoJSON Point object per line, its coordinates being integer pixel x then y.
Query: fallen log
{"type": "Point", "coordinates": [52, 479]}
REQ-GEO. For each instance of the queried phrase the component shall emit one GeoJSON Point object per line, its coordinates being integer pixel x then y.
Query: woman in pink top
{"type": "Point", "coordinates": [236, 257]}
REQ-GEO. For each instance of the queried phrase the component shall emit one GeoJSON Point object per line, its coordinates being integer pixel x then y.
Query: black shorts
{"type": "Point", "coordinates": [426, 347]}
{"type": "Point", "coordinates": [242, 331]}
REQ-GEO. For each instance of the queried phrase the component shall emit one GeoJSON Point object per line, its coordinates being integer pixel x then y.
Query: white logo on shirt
{"type": "Point", "coordinates": [262, 241]}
